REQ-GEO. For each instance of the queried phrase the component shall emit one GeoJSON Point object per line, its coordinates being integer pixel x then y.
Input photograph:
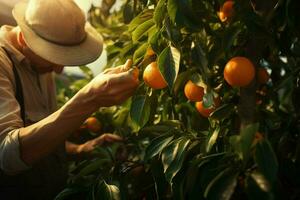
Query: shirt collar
{"type": "Point", "coordinates": [6, 43]}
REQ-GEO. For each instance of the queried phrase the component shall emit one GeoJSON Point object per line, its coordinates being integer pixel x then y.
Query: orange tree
{"type": "Point", "coordinates": [240, 60]}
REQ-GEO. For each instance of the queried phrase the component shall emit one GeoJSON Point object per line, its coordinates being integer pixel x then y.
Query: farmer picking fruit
{"type": "Point", "coordinates": [50, 34]}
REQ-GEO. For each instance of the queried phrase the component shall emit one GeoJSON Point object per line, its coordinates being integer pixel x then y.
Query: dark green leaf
{"type": "Point", "coordinates": [142, 30]}
{"type": "Point", "coordinates": [247, 137]}
{"type": "Point", "coordinates": [182, 13]}
{"type": "Point", "coordinates": [230, 36]}
{"type": "Point", "coordinates": [128, 50]}
{"type": "Point", "coordinates": [181, 80]}
{"type": "Point", "coordinates": [168, 63]}
{"type": "Point", "coordinates": [140, 110]}
{"type": "Point", "coordinates": [70, 193]}
{"type": "Point", "coordinates": [223, 185]}
{"type": "Point", "coordinates": [141, 18]}
{"type": "Point", "coordinates": [223, 112]}
{"type": "Point", "coordinates": [173, 156]}
{"type": "Point", "coordinates": [106, 192]}
{"type": "Point", "coordinates": [160, 12]}
{"type": "Point", "coordinates": [128, 12]}
{"type": "Point", "coordinates": [92, 167]}
{"type": "Point", "coordinates": [208, 100]}
{"type": "Point", "coordinates": [200, 59]}
{"type": "Point", "coordinates": [139, 53]}
{"type": "Point", "coordinates": [156, 42]}
{"type": "Point", "coordinates": [157, 145]}
{"type": "Point", "coordinates": [257, 187]}
{"type": "Point", "coordinates": [212, 139]}
{"type": "Point", "coordinates": [266, 160]}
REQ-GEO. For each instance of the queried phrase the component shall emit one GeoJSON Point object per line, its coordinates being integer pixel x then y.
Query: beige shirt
{"type": "Point", "coordinates": [39, 98]}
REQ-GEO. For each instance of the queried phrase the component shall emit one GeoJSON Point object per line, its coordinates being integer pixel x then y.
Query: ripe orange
{"type": "Point", "coordinates": [226, 11]}
{"type": "Point", "coordinates": [193, 92]}
{"type": "Point", "coordinates": [205, 112]}
{"type": "Point", "coordinates": [93, 124]}
{"type": "Point", "coordinates": [239, 71]}
{"type": "Point", "coordinates": [262, 76]}
{"type": "Point", "coordinates": [153, 78]}
{"type": "Point", "coordinates": [150, 52]}
{"type": "Point", "coordinates": [258, 136]}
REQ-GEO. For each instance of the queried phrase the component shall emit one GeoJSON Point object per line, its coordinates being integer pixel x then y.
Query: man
{"type": "Point", "coordinates": [50, 34]}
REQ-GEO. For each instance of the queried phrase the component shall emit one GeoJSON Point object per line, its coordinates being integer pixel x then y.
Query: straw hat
{"type": "Point", "coordinates": [57, 31]}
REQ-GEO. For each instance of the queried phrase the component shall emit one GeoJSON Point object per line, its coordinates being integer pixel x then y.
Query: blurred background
{"type": "Point", "coordinates": [6, 7]}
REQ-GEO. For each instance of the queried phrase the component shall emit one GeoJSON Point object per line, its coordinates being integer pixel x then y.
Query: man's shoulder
{"type": "Point", "coordinates": [5, 64]}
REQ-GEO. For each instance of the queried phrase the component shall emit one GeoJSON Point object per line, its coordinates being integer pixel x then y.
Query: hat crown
{"type": "Point", "coordinates": [58, 21]}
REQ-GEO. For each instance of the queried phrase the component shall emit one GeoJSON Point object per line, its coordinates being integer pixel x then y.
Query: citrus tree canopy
{"type": "Point", "coordinates": [216, 115]}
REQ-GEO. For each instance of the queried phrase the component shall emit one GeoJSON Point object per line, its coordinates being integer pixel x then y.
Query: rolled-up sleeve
{"type": "Point", "coordinates": [10, 121]}
{"type": "Point", "coordinates": [11, 163]}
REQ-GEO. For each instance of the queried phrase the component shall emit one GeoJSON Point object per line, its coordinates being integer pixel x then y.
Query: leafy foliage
{"type": "Point", "coordinates": [172, 152]}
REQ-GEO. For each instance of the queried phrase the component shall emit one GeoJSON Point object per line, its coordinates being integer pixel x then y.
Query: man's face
{"type": "Point", "coordinates": [40, 64]}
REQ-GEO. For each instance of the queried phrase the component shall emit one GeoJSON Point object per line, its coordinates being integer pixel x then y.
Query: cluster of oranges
{"type": "Point", "coordinates": [195, 93]}
{"type": "Point", "coordinates": [238, 72]}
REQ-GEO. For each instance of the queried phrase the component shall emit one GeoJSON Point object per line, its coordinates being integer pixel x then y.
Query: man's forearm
{"type": "Point", "coordinates": [41, 138]}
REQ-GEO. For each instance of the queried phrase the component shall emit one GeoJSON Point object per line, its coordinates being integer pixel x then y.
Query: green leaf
{"type": "Point", "coordinates": [142, 30]}
{"type": "Point", "coordinates": [139, 53]}
{"type": "Point", "coordinates": [235, 143]}
{"type": "Point", "coordinates": [128, 12]}
{"type": "Point", "coordinates": [174, 12]}
{"type": "Point", "coordinates": [223, 112]}
{"type": "Point", "coordinates": [181, 80]}
{"type": "Point", "coordinates": [152, 31]}
{"type": "Point", "coordinates": [160, 12]}
{"type": "Point", "coordinates": [168, 63]}
{"type": "Point", "coordinates": [128, 50]}
{"type": "Point", "coordinates": [140, 110]}
{"type": "Point", "coordinates": [71, 192]}
{"type": "Point", "coordinates": [106, 192]}
{"type": "Point", "coordinates": [212, 139]}
{"type": "Point", "coordinates": [223, 185]}
{"type": "Point", "coordinates": [200, 59]}
{"type": "Point", "coordinates": [87, 71]}
{"type": "Point", "coordinates": [92, 167]}
{"type": "Point", "coordinates": [157, 145]}
{"type": "Point", "coordinates": [266, 160]}
{"type": "Point", "coordinates": [208, 100]}
{"type": "Point", "coordinates": [257, 187]}
{"type": "Point", "coordinates": [141, 18]}
{"type": "Point", "coordinates": [173, 156]}
{"type": "Point", "coordinates": [182, 13]}
{"type": "Point", "coordinates": [158, 128]}
{"type": "Point", "coordinates": [157, 42]}
{"type": "Point", "coordinates": [230, 36]}
{"type": "Point", "coordinates": [247, 136]}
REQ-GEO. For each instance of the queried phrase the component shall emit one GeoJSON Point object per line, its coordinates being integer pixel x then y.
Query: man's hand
{"type": "Point", "coordinates": [114, 85]}
{"type": "Point", "coordinates": [90, 145]}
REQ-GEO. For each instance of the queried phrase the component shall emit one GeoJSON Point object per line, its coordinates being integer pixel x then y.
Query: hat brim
{"type": "Point", "coordinates": [85, 52]}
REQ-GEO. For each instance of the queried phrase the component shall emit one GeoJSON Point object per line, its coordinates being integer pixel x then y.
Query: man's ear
{"type": "Point", "coordinates": [21, 39]}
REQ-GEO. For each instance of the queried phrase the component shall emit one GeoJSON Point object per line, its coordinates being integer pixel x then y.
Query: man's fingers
{"type": "Point", "coordinates": [119, 69]}
{"type": "Point", "coordinates": [108, 137]}
{"type": "Point", "coordinates": [113, 138]}
{"type": "Point", "coordinates": [128, 77]}
{"type": "Point", "coordinates": [127, 65]}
